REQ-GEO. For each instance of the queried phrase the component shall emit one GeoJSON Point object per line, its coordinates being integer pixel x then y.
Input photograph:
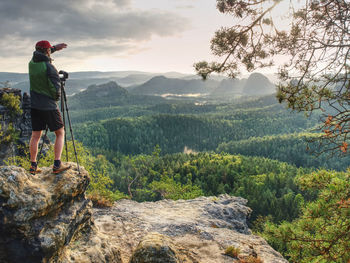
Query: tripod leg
{"type": "Point", "coordinates": [70, 127]}
{"type": "Point", "coordinates": [64, 122]}
{"type": "Point", "coordinates": [42, 144]}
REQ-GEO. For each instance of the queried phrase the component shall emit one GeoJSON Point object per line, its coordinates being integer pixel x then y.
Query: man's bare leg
{"type": "Point", "coordinates": [33, 145]}
{"type": "Point", "coordinates": [59, 143]}
{"type": "Point", "coordinates": [58, 166]}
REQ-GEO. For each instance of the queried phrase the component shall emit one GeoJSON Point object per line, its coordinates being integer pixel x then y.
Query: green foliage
{"type": "Point", "coordinates": [117, 195]}
{"type": "Point", "coordinates": [92, 135]}
{"type": "Point", "coordinates": [12, 103]}
{"type": "Point", "coordinates": [97, 114]}
{"type": "Point", "coordinates": [100, 182]}
{"type": "Point", "coordinates": [321, 233]}
{"type": "Point", "coordinates": [272, 194]}
{"type": "Point", "coordinates": [8, 135]}
{"type": "Point", "coordinates": [168, 188]}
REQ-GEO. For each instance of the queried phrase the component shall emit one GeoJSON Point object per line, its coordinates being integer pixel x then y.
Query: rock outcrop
{"type": "Point", "coordinates": [46, 218]}
{"type": "Point", "coordinates": [257, 84]}
{"type": "Point", "coordinates": [197, 230]}
{"type": "Point", "coordinates": [21, 123]}
{"type": "Point", "coordinates": [228, 87]}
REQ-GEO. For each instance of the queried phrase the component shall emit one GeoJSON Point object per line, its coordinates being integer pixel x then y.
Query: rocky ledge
{"type": "Point", "coordinates": [44, 217]}
{"type": "Point", "coordinates": [197, 230]}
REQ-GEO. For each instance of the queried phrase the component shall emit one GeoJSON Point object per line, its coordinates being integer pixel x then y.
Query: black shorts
{"type": "Point", "coordinates": [43, 118]}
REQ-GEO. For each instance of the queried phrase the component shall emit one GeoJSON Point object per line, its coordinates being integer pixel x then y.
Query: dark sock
{"type": "Point", "coordinates": [57, 163]}
{"type": "Point", "coordinates": [34, 164]}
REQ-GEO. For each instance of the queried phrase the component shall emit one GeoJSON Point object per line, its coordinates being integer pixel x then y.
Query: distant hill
{"type": "Point", "coordinates": [101, 74]}
{"type": "Point", "coordinates": [133, 79]}
{"type": "Point", "coordinates": [146, 83]}
{"type": "Point", "coordinates": [79, 81]}
{"type": "Point", "coordinates": [258, 84]}
{"type": "Point", "coordinates": [72, 85]}
{"type": "Point", "coordinates": [109, 94]}
{"type": "Point", "coordinates": [228, 87]}
{"type": "Point", "coordinates": [210, 77]}
{"type": "Point", "coordinates": [173, 74]}
{"type": "Point", "coordinates": [161, 85]}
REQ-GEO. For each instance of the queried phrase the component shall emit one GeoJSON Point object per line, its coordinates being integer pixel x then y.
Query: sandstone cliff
{"type": "Point", "coordinates": [46, 218]}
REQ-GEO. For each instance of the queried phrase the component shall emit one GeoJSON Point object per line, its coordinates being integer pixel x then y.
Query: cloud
{"type": "Point", "coordinates": [111, 23]}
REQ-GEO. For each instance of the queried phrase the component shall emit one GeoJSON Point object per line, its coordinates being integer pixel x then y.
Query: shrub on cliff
{"type": "Point", "coordinates": [12, 103]}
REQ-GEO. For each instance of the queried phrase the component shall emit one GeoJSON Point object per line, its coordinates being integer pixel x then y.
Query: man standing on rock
{"type": "Point", "coordinates": [45, 92]}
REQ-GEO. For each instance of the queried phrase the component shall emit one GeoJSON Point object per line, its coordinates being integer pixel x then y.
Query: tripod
{"type": "Point", "coordinates": [64, 107]}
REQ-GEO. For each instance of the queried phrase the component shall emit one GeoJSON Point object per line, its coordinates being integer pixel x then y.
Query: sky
{"type": "Point", "coordinates": [110, 35]}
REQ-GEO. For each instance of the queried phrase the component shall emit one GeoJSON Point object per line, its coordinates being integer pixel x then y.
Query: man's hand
{"type": "Point", "coordinates": [60, 46]}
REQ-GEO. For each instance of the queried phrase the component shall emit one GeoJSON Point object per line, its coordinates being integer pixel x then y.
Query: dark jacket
{"type": "Point", "coordinates": [45, 100]}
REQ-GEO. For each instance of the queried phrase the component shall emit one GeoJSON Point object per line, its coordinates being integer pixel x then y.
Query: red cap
{"type": "Point", "coordinates": [43, 44]}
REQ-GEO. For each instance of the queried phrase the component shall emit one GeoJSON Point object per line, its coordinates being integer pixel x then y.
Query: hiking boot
{"type": "Point", "coordinates": [61, 168]}
{"type": "Point", "coordinates": [34, 170]}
